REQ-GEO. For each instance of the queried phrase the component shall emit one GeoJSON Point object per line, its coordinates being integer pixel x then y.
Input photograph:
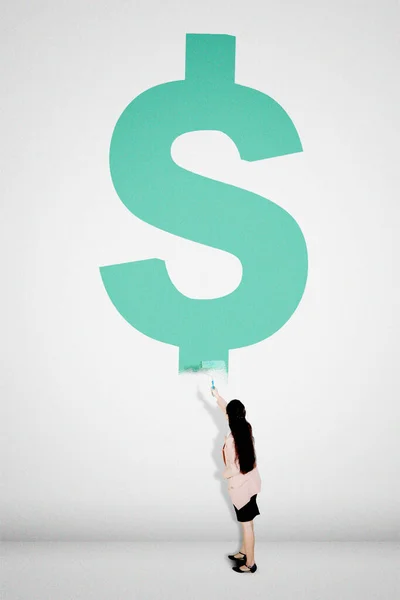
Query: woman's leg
{"type": "Point", "coordinates": [248, 543]}
{"type": "Point", "coordinates": [242, 549]}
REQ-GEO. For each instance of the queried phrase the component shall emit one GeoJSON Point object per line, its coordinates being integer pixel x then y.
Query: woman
{"type": "Point", "coordinates": [244, 481]}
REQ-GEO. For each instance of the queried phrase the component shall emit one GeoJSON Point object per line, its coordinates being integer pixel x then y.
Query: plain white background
{"type": "Point", "coordinates": [102, 439]}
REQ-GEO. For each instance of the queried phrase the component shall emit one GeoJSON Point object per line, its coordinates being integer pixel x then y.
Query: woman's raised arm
{"type": "Point", "coordinates": [220, 401]}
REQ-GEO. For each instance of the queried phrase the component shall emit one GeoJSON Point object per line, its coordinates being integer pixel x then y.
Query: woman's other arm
{"type": "Point", "coordinates": [231, 467]}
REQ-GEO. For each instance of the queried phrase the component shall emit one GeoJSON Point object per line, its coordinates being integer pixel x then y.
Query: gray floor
{"type": "Point", "coordinates": [191, 571]}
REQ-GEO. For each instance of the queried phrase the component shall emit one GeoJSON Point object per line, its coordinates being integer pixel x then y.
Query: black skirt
{"type": "Point", "coordinates": [248, 511]}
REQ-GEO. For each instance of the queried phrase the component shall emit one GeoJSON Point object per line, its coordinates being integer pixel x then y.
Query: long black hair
{"type": "Point", "coordinates": [242, 435]}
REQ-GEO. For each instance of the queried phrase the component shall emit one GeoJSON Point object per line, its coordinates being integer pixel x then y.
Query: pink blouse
{"type": "Point", "coordinates": [241, 487]}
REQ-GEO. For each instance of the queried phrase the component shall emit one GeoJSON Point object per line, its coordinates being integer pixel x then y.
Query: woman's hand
{"type": "Point", "coordinates": [226, 474]}
{"type": "Point", "coordinates": [220, 401]}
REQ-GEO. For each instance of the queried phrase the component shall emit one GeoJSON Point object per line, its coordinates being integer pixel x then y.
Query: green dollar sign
{"type": "Point", "coordinates": [266, 239]}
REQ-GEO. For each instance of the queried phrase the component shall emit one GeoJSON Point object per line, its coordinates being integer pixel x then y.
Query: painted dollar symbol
{"type": "Point", "coordinates": [265, 238]}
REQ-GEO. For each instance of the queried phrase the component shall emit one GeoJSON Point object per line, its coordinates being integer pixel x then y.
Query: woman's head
{"type": "Point", "coordinates": [235, 410]}
{"type": "Point", "coordinates": [242, 434]}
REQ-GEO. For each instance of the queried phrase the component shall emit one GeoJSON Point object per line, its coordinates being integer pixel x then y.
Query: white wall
{"type": "Point", "coordinates": [102, 439]}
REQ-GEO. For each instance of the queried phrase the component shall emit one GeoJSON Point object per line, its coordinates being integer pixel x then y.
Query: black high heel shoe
{"type": "Point", "coordinates": [240, 559]}
{"type": "Point", "coordinates": [252, 569]}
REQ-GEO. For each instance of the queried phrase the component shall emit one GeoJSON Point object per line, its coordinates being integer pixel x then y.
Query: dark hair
{"type": "Point", "coordinates": [242, 435]}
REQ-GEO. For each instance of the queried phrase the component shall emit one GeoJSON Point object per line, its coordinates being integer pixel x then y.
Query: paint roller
{"type": "Point", "coordinates": [215, 365]}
